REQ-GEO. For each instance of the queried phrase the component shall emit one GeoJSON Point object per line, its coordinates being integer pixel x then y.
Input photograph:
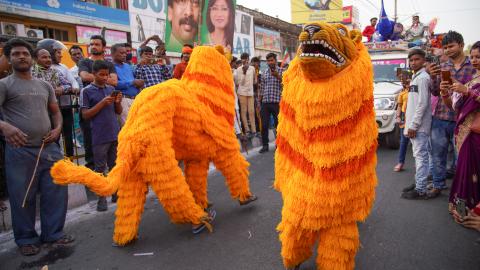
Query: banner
{"type": "Point", "coordinates": [182, 24]}
{"type": "Point", "coordinates": [268, 40]}
{"type": "Point", "coordinates": [147, 18]}
{"type": "Point", "coordinates": [69, 11]}
{"type": "Point", "coordinates": [218, 24]}
{"type": "Point", "coordinates": [112, 37]}
{"type": "Point", "coordinates": [305, 11]}
{"type": "Point", "coordinates": [244, 34]}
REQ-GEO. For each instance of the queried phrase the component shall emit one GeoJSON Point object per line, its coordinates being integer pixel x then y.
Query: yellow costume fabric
{"type": "Point", "coordinates": [189, 120]}
{"type": "Point", "coordinates": [326, 147]}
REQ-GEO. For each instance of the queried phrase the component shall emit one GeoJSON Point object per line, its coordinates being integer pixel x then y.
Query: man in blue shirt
{"type": "Point", "coordinates": [127, 84]}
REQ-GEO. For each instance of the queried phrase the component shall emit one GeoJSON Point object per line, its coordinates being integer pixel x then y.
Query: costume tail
{"type": "Point", "coordinates": [65, 172]}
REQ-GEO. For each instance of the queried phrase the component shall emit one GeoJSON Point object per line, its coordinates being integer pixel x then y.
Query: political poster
{"type": "Point", "coordinates": [147, 18]}
{"type": "Point", "coordinates": [243, 39]}
{"type": "Point", "coordinates": [183, 20]}
{"type": "Point", "coordinates": [218, 24]}
{"type": "Point", "coordinates": [305, 11]}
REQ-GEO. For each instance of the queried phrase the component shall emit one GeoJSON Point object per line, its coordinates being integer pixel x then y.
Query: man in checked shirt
{"type": "Point", "coordinates": [443, 116]}
{"type": "Point", "coordinates": [270, 93]}
{"type": "Point", "coordinates": [149, 71]}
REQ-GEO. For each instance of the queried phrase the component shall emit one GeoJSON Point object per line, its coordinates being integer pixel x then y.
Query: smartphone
{"type": "Point", "coordinates": [461, 208]}
{"type": "Point", "coordinates": [114, 93]}
{"type": "Point", "coordinates": [447, 76]}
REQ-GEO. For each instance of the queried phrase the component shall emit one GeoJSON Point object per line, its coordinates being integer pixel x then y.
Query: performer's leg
{"type": "Point", "coordinates": [196, 172]}
{"type": "Point", "coordinates": [337, 247]}
{"type": "Point", "coordinates": [130, 204]}
{"type": "Point", "coordinates": [175, 195]}
{"type": "Point", "coordinates": [297, 244]}
{"type": "Point", "coordinates": [234, 168]}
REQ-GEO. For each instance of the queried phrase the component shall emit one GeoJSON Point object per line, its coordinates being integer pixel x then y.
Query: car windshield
{"type": "Point", "coordinates": [386, 70]}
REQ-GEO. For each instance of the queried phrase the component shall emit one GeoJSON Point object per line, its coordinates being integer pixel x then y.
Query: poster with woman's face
{"type": "Point", "coordinates": [218, 23]}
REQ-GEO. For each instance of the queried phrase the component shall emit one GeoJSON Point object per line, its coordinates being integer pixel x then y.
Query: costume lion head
{"type": "Point", "coordinates": [326, 49]}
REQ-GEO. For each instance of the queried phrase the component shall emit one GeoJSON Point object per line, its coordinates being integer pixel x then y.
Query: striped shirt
{"type": "Point", "coordinates": [271, 86]}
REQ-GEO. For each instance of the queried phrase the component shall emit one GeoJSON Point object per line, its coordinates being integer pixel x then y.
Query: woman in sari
{"type": "Point", "coordinates": [466, 101]}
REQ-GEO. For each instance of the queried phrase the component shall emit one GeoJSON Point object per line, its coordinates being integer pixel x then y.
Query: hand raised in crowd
{"type": "Point", "coordinates": [412, 134]}
{"type": "Point", "coordinates": [445, 86]}
{"type": "Point", "coordinates": [459, 88]}
{"type": "Point", "coordinates": [52, 135]}
{"type": "Point", "coordinates": [118, 97]}
{"type": "Point", "coordinates": [14, 135]}
{"type": "Point", "coordinates": [108, 100]}
{"type": "Point", "coordinates": [138, 83]}
{"type": "Point", "coordinates": [245, 69]}
{"type": "Point", "coordinates": [433, 69]}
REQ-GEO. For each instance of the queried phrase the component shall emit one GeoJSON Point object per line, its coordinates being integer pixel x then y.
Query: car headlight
{"type": "Point", "coordinates": [384, 103]}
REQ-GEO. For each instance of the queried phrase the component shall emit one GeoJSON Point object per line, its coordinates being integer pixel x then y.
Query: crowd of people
{"type": "Point", "coordinates": [43, 102]}
{"type": "Point", "coordinates": [42, 99]}
{"type": "Point", "coordinates": [440, 107]}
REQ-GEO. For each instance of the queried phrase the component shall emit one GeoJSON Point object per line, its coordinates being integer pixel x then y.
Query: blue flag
{"type": "Point", "coordinates": [384, 26]}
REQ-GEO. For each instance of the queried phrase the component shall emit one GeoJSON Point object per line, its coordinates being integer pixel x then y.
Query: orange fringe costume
{"type": "Point", "coordinates": [327, 140]}
{"type": "Point", "coordinates": [189, 120]}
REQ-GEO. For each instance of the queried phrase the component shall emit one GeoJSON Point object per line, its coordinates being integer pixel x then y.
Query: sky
{"type": "Point", "coordinates": [458, 15]}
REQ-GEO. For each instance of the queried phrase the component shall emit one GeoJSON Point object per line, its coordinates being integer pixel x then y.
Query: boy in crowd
{"type": "Point", "coordinates": [101, 104]}
{"type": "Point", "coordinates": [418, 122]}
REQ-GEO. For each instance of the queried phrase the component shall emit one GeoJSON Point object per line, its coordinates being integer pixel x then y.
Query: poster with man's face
{"type": "Point", "coordinates": [183, 19]}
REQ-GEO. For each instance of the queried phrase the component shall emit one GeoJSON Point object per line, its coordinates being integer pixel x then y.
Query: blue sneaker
{"type": "Point", "coordinates": [211, 214]}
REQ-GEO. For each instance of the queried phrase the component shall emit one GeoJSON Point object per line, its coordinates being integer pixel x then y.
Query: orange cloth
{"type": "Point", "coordinates": [179, 70]}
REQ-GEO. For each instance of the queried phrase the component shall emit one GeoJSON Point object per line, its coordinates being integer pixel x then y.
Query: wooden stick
{"type": "Point", "coordinates": [33, 175]}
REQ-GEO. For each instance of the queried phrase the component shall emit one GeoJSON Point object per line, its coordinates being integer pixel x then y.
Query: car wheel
{"type": "Point", "coordinates": [392, 139]}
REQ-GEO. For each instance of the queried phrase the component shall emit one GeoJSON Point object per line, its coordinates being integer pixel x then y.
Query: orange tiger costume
{"type": "Point", "coordinates": [327, 140]}
{"type": "Point", "coordinates": [189, 120]}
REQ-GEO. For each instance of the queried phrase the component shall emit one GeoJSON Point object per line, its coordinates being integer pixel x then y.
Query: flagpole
{"type": "Point", "coordinates": [395, 11]}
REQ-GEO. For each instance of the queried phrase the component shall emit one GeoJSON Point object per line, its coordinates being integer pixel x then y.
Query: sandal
{"type": "Point", "coordinates": [196, 229]}
{"type": "Point", "coordinates": [29, 250]}
{"type": "Point", "coordinates": [64, 240]}
{"type": "Point", "coordinates": [250, 199]}
{"type": "Point", "coordinates": [398, 167]}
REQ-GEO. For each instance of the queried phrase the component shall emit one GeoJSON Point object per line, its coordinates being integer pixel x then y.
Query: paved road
{"type": "Point", "coordinates": [399, 234]}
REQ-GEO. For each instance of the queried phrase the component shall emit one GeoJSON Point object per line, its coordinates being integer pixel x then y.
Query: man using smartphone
{"type": "Point", "coordinates": [444, 116]}
{"type": "Point", "coordinates": [270, 93]}
{"type": "Point", "coordinates": [149, 71]}
{"type": "Point", "coordinates": [245, 79]}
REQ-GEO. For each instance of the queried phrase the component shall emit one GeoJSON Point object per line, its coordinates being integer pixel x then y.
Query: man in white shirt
{"type": "Point", "coordinates": [245, 77]}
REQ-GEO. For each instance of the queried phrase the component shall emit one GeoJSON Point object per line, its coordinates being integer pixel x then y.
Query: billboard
{"type": "Point", "coordinates": [305, 11]}
{"type": "Point", "coordinates": [147, 18]}
{"type": "Point", "coordinates": [183, 20]}
{"type": "Point", "coordinates": [69, 11]}
{"type": "Point", "coordinates": [266, 39]}
{"type": "Point", "coordinates": [112, 37]}
{"type": "Point", "coordinates": [244, 34]}
{"type": "Point", "coordinates": [218, 23]}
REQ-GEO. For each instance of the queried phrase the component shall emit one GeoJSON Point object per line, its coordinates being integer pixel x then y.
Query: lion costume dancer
{"type": "Point", "coordinates": [327, 138]}
{"type": "Point", "coordinates": [189, 120]}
